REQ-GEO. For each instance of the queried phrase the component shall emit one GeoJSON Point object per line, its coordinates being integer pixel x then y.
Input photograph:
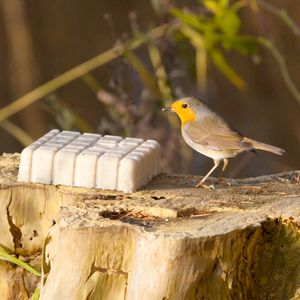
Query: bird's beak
{"type": "Point", "coordinates": [167, 109]}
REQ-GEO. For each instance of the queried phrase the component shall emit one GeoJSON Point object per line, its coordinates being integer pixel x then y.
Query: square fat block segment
{"type": "Point", "coordinates": [113, 138]}
{"type": "Point", "coordinates": [65, 159]}
{"type": "Point", "coordinates": [90, 160]}
{"type": "Point", "coordinates": [129, 174]}
{"type": "Point", "coordinates": [64, 165]}
{"type": "Point", "coordinates": [148, 161]}
{"type": "Point", "coordinates": [26, 155]}
{"type": "Point", "coordinates": [42, 164]}
{"type": "Point", "coordinates": [85, 168]}
{"type": "Point", "coordinates": [132, 141]}
{"type": "Point", "coordinates": [107, 170]}
{"type": "Point", "coordinates": [156, 152]}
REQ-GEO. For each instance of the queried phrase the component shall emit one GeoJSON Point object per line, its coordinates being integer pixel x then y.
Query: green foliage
{"type": "Point", "coordinates": [36, 294]}
{"type": "Point", "coordinates": [217, 30]}
{"type": "Point", "coordinates": [4, 255]}
{"type": "Point", "coordinates": [221, 63]}
{"type": "Point", "coordinates": [160, 71]}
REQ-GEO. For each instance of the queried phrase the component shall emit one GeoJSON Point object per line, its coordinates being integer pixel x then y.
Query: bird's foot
{"type": "Point", "coordinates": [204, 186]}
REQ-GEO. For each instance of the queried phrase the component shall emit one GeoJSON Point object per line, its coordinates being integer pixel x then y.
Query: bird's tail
{"type": "Point", "coordinates": [262, 146]}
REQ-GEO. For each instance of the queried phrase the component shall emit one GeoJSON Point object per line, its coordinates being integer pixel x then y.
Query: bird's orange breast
{"type": "Point", "coordinates": [185, 114]}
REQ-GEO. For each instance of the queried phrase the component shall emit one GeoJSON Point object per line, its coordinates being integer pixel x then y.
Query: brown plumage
{"type": "Point", "coordinates": [210, 135]}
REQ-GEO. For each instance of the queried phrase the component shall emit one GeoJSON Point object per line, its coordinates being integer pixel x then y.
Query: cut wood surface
{"type": "Point", "coordinates": [166, 241]}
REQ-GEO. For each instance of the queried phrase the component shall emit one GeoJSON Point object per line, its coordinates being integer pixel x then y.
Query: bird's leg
{"type": "Point", "coordinates": [201, 183]}
{"type": "Point", "coordinates": [225, 163]}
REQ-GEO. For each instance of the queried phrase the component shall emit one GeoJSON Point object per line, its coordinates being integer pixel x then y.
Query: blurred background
{"type": "Point", "coordinates": [110, 66]}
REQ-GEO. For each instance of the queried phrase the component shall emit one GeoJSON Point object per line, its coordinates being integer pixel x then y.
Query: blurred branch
{"type": "Point", "coordinates": [198, 43]}
{"type": "Point", "coordinates": [282, 65]}
{"type": "Point", "coordinates": [160, 71]}
{"type": "Point", "coordinates": [282, 14]}
{"type": "Point", "coordinates": [77, 72]}
{"type": "Point", "coordinates": [222, 65]}
{"type": "Point", "coordinates": [91, 82]}
{"type": "Point", "coordinates": [162, 78]}
{"type": "Point", "coordinates": [20, 135]}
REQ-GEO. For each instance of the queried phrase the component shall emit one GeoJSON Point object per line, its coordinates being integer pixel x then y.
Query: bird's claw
{"type": "Point", "coordinates": [204, 186]}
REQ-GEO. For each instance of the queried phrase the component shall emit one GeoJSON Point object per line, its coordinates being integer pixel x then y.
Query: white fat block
{"type": "Point", "coordinates": [126, 147]}
{"type": "Point", "coordinates": [108, 142]}
{"type": "Point", "coordinates": [107, 170]}
{"type": "Point", "coordinates": [132, 141]}
{"type": "Point", "coordinates": [112, 138]}
{"type": "Point", "coordinates": [94, 136]}
{"type": "Point", "coordinates": [49, 135]}
{"type": "Point", "coordinates": [107, 146]}
{"type": "Point", "coordinates": [128, 175]}
{"type": "Point", "coordinates": [139, 155]}
{"type": "Point", "coordinates": [86, 167]}
{"type": "Point", "coordinates": [42, 163]}
{"type": "Point", "coordinates": [26, 155]}
{"type": "Point", "coordinates": [25, 163]}
{"type": "Point", "coordinates": [87, 138]}
{"type": "Point", "coordinates": [149, 156]}
{"type": "Point", "coordinates": [64, 166]}
{"type": "Point", "coordinates": [69, 134]}
{"type": "Point", "coordinates": [120, 149]}
{"type": "Point", "coordinates": [157, 154]}
{"type": "Point", "coordinates": [78, 144]}
{"type": "Point", "coordinates": [65, 159]}
{"type": "Point", "coordinates": [43, 157]}
{"type": "Point", "coordinates": [90, 160]}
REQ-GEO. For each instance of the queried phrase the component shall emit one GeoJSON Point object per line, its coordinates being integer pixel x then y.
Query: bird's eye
{"type": "Point", "coordinates": [184, 105]}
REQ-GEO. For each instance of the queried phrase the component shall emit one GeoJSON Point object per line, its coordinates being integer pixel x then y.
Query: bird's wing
{"type": "Point", "coordinates": [215, 134]}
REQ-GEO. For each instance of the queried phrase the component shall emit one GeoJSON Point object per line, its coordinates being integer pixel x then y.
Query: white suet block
{"type": "Point", "coordinates": [90, 160]}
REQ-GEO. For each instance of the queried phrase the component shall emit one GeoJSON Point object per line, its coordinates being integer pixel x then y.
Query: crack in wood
{"type": "Point", "coordinates": [108, 271]}
{"type": "Point", "coordinates": [14, 230]}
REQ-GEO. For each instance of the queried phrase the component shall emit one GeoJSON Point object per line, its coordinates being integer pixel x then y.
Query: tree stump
{"type": "Point", "coordinates": [166, 241]}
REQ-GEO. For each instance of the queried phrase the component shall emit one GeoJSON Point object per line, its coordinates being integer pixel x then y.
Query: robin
{"type": "Point", "coordinates": [207, 133]}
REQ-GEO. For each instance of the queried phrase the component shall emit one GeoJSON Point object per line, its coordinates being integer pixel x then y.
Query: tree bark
{"type": "Point", "coordinates": [166, 241]}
